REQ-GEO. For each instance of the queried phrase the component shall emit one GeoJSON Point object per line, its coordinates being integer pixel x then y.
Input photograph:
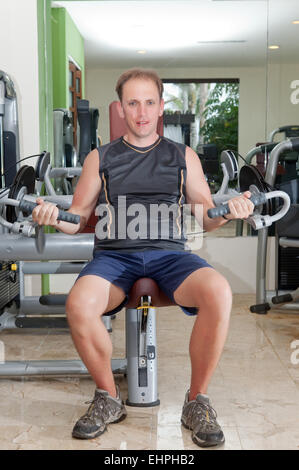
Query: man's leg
{"type": "Point", "coordinates": [90, 297]}
{"type": "Point", "coordinates": [208, 290]}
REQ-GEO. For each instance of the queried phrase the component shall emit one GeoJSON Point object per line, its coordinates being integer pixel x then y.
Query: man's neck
{"type": "Point", "coordinates": [141, 141]}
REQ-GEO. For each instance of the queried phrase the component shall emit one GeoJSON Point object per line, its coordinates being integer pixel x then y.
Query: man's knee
{"type": "Point", "coordinates": [216, 295]}
{"type": "Point", "coordinates": [217, 300]}
{"type": "Point", "coordinates": [80, 307]}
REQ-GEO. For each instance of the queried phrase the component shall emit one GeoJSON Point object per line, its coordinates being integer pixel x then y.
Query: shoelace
{"type": "Point", "coordinates": [96, 408]}
{"type": "Point", "coordinates": [202, 413]}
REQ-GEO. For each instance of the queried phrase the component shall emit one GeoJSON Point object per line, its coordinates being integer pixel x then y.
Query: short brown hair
{"type": "Point", "coordinates": [147, 74]}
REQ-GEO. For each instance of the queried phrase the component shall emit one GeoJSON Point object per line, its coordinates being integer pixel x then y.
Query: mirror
{"type": "Point", "coordinates": [282, 66]}
{"type": "Point", "coordinates": [187, 39]}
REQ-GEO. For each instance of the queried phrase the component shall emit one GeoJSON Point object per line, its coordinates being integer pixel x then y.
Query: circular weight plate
{"type": "Point", "coordinates": [23, 183]}
{"type": "Point", "coordinates": [249, 175]}
{"type": "Point", "coordinates": [41, 166]}
{"type": "Point", "coordinates": [228, 158]}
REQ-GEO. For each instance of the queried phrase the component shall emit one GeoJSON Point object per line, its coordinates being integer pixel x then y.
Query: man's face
{"type": "Point", "coordinates": [141, 107]}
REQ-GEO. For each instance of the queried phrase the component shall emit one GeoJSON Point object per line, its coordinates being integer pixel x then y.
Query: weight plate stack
{"type": "Point", "coordinates": [24, 183]}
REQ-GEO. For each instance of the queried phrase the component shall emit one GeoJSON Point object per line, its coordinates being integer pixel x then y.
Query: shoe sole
{"type": "Point", "coordinates": [98, 433]}
{"type": "Point", "coordinates": [202, 443]}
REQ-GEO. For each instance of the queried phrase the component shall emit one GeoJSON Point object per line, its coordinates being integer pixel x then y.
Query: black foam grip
{"type": "Point", "coordinates": [279, 299]}
{"type": "Point", "coordinates": [223, 209]}
{"type": "Point", "coordinates": [260, 308]}
{"type": "Point", "coordinates": [28, 206]}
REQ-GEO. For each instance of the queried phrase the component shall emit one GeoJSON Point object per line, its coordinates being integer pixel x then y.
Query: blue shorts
{"type": "Point", "coordinates": [167, 268]}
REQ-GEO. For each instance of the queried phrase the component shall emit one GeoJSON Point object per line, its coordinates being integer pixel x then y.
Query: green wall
{"type": "Point", "coordinates": [45, 75]}
{"type": "Point", "coordinates": [66, 42]}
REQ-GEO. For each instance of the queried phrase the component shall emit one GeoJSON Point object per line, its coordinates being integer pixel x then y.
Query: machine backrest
{"type": "Point", "coordinates": [118, 126]}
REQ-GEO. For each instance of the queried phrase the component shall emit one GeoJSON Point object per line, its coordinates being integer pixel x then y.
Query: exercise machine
{"type": "Point", "coordinates": [286, 246]}
{"type": "Point", "coordinates": [65, 154]}
{"type": "Point", "coordinates": [88, 119]}
{"type": "Point", "coordinates": [9, 130]}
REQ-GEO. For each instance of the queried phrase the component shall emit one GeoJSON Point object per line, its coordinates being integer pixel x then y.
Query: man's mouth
{"type": "Point", "coordinates": [142, 123]}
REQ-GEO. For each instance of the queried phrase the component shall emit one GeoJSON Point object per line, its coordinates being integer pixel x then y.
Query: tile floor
{"type": "Point", "coordinates": [255, 388]}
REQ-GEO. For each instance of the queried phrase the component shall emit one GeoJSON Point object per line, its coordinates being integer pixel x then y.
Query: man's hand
{"type": "Point", "coordinates": [45, 213]}
{"type": "Point", "coordinates": [240, 207]}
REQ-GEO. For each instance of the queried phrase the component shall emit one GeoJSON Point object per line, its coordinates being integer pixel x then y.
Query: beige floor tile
{"type": "Point", "coordinates": [277, 438]}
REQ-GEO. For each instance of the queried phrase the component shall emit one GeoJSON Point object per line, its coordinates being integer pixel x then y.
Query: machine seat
{"type": "Point", "coordinates": [147, 286]}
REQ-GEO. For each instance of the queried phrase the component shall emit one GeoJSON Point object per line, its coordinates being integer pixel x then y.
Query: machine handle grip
{"type": "Point", "coordinates": [28, 206]}
{"type": "Point", "coordinates": [223, 209]}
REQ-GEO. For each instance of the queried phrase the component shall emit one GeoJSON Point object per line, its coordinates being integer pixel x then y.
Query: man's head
{"type": "Point", "coordinates": [138, 73]}
{"type": "Point", "coordinates": [141, 104]}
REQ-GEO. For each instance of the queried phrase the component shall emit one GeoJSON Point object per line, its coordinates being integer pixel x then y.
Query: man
{"type": "Point", "coordinates": [145, 168]}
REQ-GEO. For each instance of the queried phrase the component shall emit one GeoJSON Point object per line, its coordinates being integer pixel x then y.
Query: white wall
{"type": "Point", "coordinates": [283, 100]}
{"type": "Point", "coordinates": [19, 59]}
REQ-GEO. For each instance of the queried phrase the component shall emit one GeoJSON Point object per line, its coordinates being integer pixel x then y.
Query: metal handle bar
{"type": "Point", "coordinates": [258, 221]}
{"type": "Point", "coordinates": [27, 206]}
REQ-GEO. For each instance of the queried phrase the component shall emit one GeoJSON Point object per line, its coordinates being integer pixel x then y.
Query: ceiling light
{"type": "Point", "coordinates": [273, 47]}
{"type": "Point", "coordinates": [141, 52]}
{"type": "Point", "coordinates": [295, 22]}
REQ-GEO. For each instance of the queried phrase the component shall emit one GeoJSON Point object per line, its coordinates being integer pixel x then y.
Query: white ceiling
{"type": "Point", "coordinates": [186, 33]}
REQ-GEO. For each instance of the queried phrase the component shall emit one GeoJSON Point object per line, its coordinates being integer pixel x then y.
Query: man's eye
{"type": "Point", "coordinates": [132, 103]}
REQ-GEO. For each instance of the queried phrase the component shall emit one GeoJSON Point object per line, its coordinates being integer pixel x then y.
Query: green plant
{"type": "Point", "coordinates": [221, 116]}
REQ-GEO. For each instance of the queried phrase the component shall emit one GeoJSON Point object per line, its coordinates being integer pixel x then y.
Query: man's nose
{"type": "Point", "coordinates": [141, 109]}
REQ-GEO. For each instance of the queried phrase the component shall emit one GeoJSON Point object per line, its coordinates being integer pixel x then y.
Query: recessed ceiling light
{"type": "Point", "coordinates": [295, 22]}
{"type": "Point", "coordinates": [141, 52]}
{"type": "Point", "coordinates": [273, 47]}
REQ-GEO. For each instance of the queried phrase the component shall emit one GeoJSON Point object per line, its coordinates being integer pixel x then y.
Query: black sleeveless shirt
{"type": "Point", "coordinates": [140, 205]}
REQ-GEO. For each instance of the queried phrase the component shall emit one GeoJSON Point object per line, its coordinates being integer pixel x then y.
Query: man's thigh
{"type": "Point", "coordinates": [203, 283]}
{"type": "Point", "coordinates": [97, 291]}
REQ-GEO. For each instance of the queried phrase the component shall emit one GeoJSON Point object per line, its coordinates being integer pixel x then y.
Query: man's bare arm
{"type": "Point", "coordinates": [198, 192]}
{"type": "Point", "coordinates": [83, 203]}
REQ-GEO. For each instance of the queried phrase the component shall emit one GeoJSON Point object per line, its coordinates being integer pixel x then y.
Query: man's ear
{"type": "Point", "coordinates": [161, 111]}
{"type": "Point", "coordinates": [120, 110]}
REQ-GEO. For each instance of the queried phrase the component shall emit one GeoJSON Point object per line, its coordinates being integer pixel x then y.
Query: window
{"type": "Point", "coordinates": [203, 114]}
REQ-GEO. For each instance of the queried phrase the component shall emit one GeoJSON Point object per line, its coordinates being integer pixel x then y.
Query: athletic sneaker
{"type": "Point", "coordinates": [200, 417]}
{"type": "Point", "coordinates": [103, 410]}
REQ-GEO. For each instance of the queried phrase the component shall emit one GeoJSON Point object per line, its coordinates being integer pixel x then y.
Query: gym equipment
{"type": "Point", "coordinates": [286, 241]}
{"type": "Point", "coordinates": [288, 131]}
{"type": "Point", "coordinates": [257, 220]}
{"type": "Point", "coordinates": [249, 179]}
{"type": "Point", "coordinates": [65, 154]}
{"type": "Point", "coordinates": [286, 167]}
{"type": "Point", "coordinates": [208, 155]}
{"type": "Point", "coordinates": [9, 131]}
{"type": "Point", "coordinates": [88, 121]}
{"type": "Point", "coordinates": [9, 156]}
